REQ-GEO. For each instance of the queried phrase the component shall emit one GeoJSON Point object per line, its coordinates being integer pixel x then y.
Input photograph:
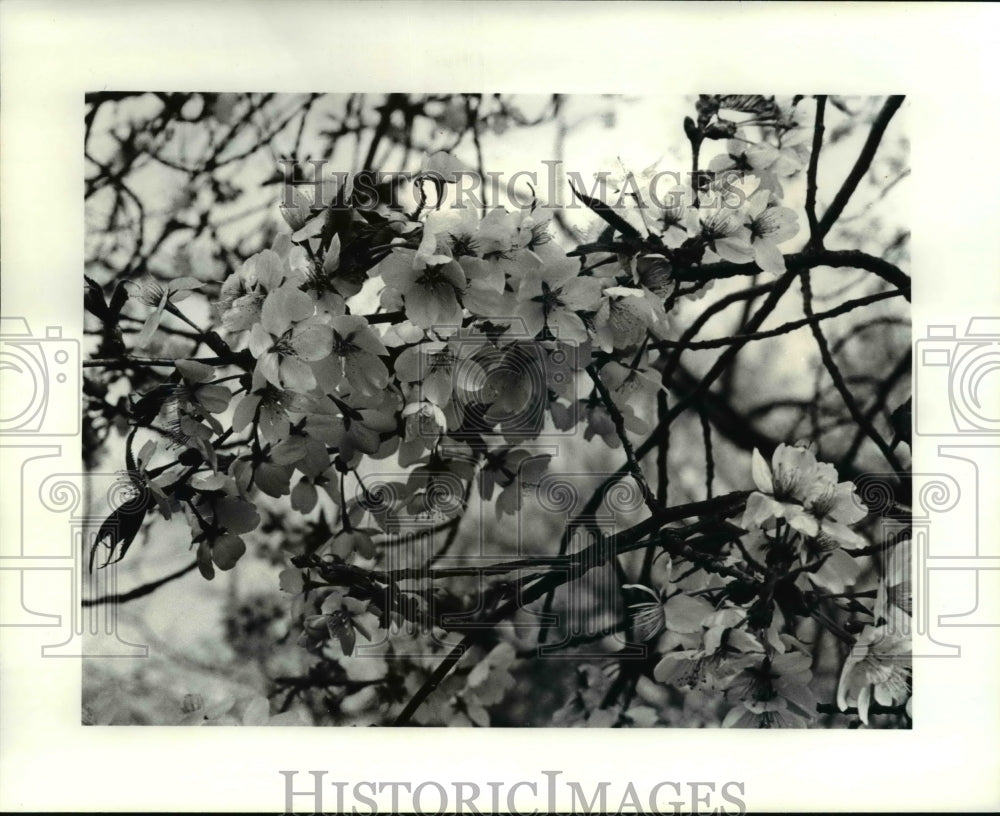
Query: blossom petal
{"type": "Point", "coordinates": [768, 257]}
{"type": "Point", "coordinates": [312, 341]}
{"type": "Point", "coordinates": [761, 472]}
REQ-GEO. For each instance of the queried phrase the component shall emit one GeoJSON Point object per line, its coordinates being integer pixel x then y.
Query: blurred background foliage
{"type": "Point", "coordinates": [187, 184]}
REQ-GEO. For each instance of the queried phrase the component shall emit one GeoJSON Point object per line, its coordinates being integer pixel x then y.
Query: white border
{"type": "Point", "coordinates": [941, 56]}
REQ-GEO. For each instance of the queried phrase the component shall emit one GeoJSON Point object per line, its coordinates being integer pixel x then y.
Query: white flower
{"type": "Point", "coordinates": [773, 694]}
{"type": "Point", "coordinates": [552, 295]}
{"type": "Point", "coordinates": [160, 298]}
{"type": "Point", "coordinates": [806, 494]}
{"type": "Point", "coordinates": [769, 226]}
{"type": "Point", "coordinates": [429, 282]}
{"type": "Point", "coordinates": [878, 667]}
{"type": "Point", "coordinates": [288, 337]}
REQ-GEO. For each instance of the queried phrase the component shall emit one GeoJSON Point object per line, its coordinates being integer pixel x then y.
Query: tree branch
{"type": "Point", "coordinates": [619, 421]}
{"type": "Point", "coordinates": [139, 592]}
{"type": "Point", "coordinates": [808, 259]}
{"type": "Point", "coordinates": [838, 378]}
{"type": "Point", "coordinates": [815, 239]}
{"type": "Point", "coordinates": [860, 167]}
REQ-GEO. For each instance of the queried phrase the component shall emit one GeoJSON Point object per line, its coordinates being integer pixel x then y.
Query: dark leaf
{"type": "Point", "coordinates": [93, 300]}
{"type": "Point", "coordinates": [118, 530]}
{"type": "Point", "coordinates": [902, 422]}
{"type": "Point", "coordinates": [118, 299]}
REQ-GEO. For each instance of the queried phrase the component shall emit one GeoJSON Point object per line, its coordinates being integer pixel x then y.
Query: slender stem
{"type": "Point", "coordinates": [838, 378]}
{"type": "Point", "coordinates": [139, 592]}
{"type": "Point", "coordinates": [794, 325]}
{"type": "Point", "coordinates": [861, 166]}
{"type": "Point", "coordinates": [619, 422]}
{"type": "Point", "coordinates": [815, 239]}
{"type": "Point", "coordinates": [440, 672]}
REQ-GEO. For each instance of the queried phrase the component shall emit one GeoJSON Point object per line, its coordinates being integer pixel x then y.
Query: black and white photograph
{"type": "Point", "coordinates": [498, 408]}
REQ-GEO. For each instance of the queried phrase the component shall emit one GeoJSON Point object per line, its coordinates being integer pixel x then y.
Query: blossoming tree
{"type": "Point", "coordinates": [392, 394]}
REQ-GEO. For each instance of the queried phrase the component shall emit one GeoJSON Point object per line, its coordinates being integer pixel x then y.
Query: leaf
{"type": "Point", "coordinates": [118, 300]}
{"type": "Point", "coordinates": [120, 528]}
{"type": "Point", "coordinates": [337, 224]}
{"type": "Point", "coordinates": [347, 638]}
{"type": "Point", "coordinates": [901, 420]}
{"type": "Point", "coordinates": [236, 515]}
{"type": "Point", "coordinates": [205, 566]}
{"type": "Point", "coordinates": [227, 550]}
{"type": "Point", "coordinates": [94, 302]}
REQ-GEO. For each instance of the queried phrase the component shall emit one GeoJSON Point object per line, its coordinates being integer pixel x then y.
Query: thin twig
{"type": "Point", "coordinates": [797, 261]}
{"type": "Point", "coordinates": [139, 592]}
{"type": "Point", "coordinates": [815, 239]}
{"type": "Point", "coordinates": [838, 377]}
{"type": "Point", "coordinates": [861, 166]}
{"type": "Point", "coordinates": [786, 328]}
{"type": "Point", "coordinates": [619, 421]}
{"type": "Point", "coordinates": [440, 672]}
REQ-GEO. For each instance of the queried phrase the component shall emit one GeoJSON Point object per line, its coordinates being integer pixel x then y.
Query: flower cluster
{"type": "Point", "coordinates": [447, 341]}
{"type": "Point", "coordinates": [804, 494]}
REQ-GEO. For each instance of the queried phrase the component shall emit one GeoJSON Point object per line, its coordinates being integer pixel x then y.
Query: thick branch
{"type": "Point", "coordinates": [794, 325]}
{"type": "Point", "coordinates": [809, 259]}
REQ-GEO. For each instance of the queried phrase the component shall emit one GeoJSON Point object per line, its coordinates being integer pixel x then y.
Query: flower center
{"type": "Point", "coordinates": [434, 277]}
{"type": "Point", "coordinates": [717, 225]}
{"type": "Point", "coordinates": [464, 246]}
{"type": "Point", "coordinates": [785, 482]}
{"type": "Point", "coordinates": [822, 504]}
{"type": "Point", "coordinates": [549, 298]}
{"type": "Point", "coordinates": [283, 346]}
{"type": "Point", "coordinates": [767, 223]}
{"type": "Point", "coordinates": [539, 235]}
{"type": "Point", "coordinates": [343, 345]}
{"type": "Point", "coordinates": [151, 293]}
